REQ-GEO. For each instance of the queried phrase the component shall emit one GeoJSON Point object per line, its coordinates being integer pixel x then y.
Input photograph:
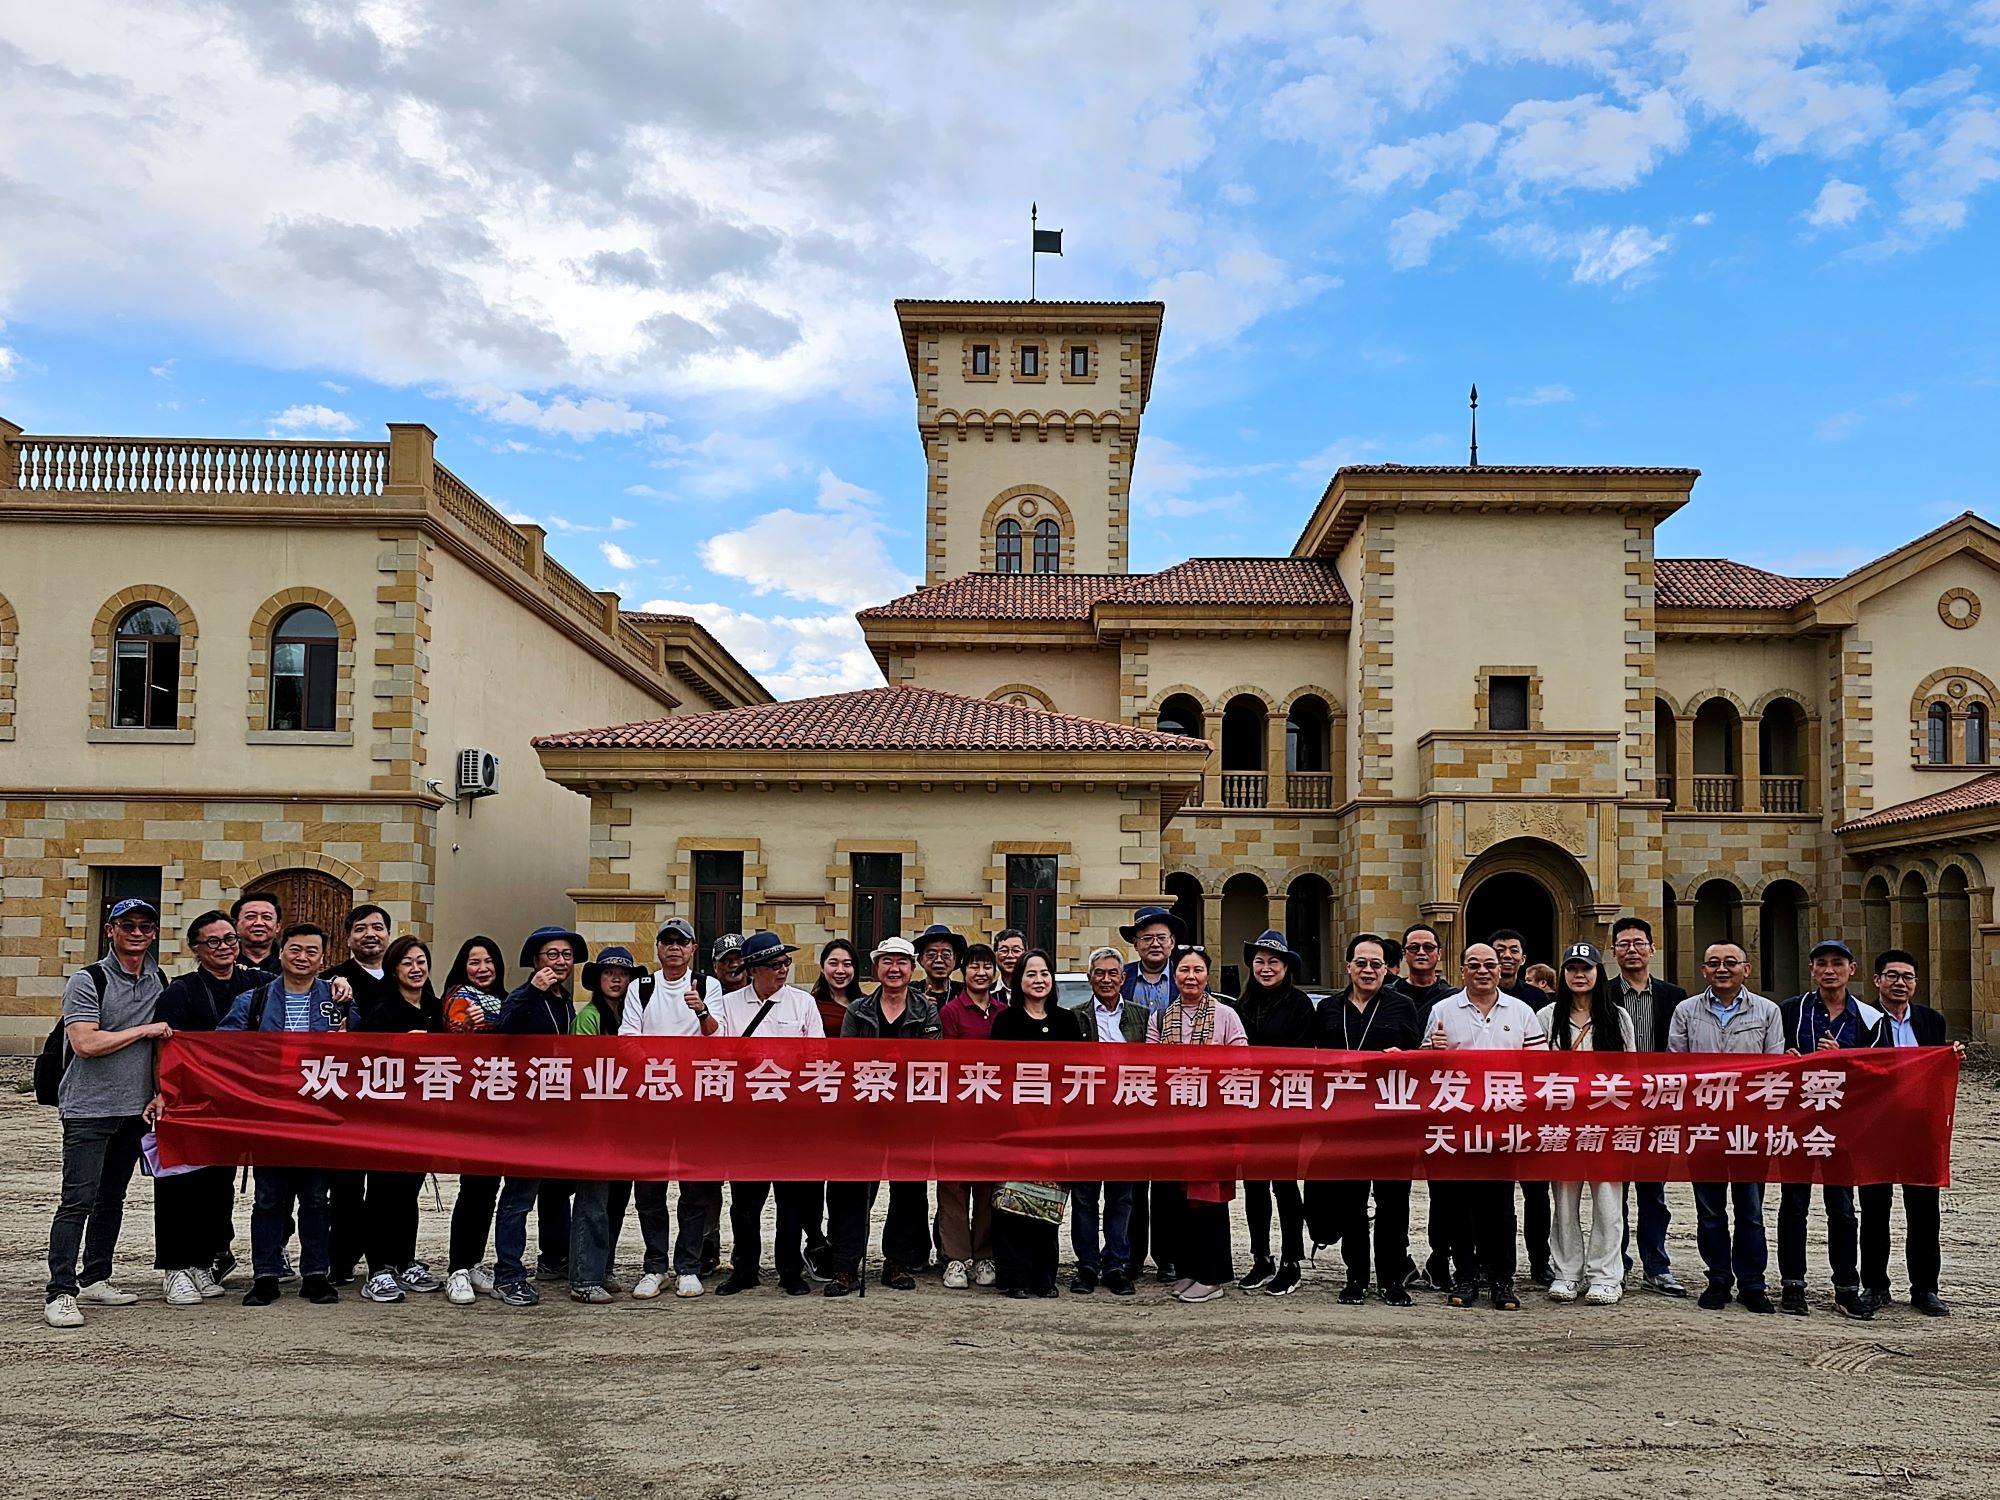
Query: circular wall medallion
{"type": "Point", "coordinates": [1956, 688]}
{"type": "Point", "coordinates": [1959, 608]}
{"type": "Point", "coordinates": [1031, 507]}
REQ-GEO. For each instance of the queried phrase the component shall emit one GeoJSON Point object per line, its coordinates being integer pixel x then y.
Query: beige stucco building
{"type": "Point", "coordinates": [1720, 749]}
{"type": "Point", "coordinates": [257, 665]}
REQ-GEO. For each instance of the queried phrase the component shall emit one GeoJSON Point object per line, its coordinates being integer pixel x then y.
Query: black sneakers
{"type": "Point", "coordinates": [1757, 1300]}
{"type": "Point", "coordinates": [1792, 1299]}
{"type": "Point", "coordinates": [1083, 1283]}
{"type": "Point", "coordinates": [1854, 1303]}
{"type": "Point", "coordinates": [1394, 1295]}
{"type": "Point", "coordinates": [1714, 1296]}
{"type": "Point", "coordinates": [1356, 1292]}
{"type": "Point", "coordinates": [1285, 1282]}
{"type": "Point", "coordinates": [1260, 1273]}
{"type": "Point", "coordinates": [1929, 1304]}
{"type": "Point", "coordinates": [1119, 1284]}
{"type": "Point", "coordinates": [794, 1286]}
{"type": "Point", "coordinates": [897, 1277]}
{"type": "Point", "coordinates": [739, 1281]}
{"type": "Point", "coordinates": [263, 1292]}
{"type": "Point", "coordinates": [319, 1290]}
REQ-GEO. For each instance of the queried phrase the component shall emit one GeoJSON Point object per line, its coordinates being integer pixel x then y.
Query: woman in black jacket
{"type": "Point", "coordinates": [1276, 1013]}
{"type": "Point", "coordinates": [389, 1204]}
{"type": "Point", "coordinates": [1026, 1248]}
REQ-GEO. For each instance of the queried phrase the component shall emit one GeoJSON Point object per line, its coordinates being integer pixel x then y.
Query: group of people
{"type": "Point", "coordinates": [254, 972]}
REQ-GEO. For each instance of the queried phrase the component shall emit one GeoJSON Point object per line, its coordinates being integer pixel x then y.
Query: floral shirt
{"type": "Point", "coordinates": [468, 1008]}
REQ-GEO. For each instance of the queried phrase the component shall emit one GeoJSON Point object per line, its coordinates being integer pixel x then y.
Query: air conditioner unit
{"type": "Point", "coordinates": [478, 773]}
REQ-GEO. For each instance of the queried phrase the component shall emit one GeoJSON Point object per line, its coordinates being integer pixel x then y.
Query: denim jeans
{"type": "Point", "coordinates": [1743, 1255]}
{"type": "Point", "coordinates": [99, 1154]}
{"type": "Point", "coordinates": [595, 1218]}
{"type": "Point", "coordinates": [1843, 1233]}
{"type": "Point", "coordinates": [277, 1189]}
{"type": "Point", "coordinates": [1654, 1216]}
{"type": "Point", "coordinates": [671, 1248]}
{"type": "Point", "coordinates": [1114, 1253]}
{"type": "Point", "coordinates": [510, 1228]}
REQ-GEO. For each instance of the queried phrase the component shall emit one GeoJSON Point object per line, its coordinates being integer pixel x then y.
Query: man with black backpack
{"type": "Point", "coordinates": [102, 1074]}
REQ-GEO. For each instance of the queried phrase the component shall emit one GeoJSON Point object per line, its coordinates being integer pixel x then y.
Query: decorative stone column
{"type": "Point", "coordinates": [1683, 762]}
{"type": "Point", "coordinates": [1750, 758]}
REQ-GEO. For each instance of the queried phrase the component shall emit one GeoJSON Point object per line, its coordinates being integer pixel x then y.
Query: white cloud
{"type": "Point", "coordinates": [1606, 255]}
{"type": "Point", "coordinates": [1237, 194]}
{"type": "Point", "coordinates": [619, 558]}
{"type": "Point", "coordinates": [1702, 220]}
{"type": "Point", "coordinates": [315, 419]}
{"type": "Point", "coordinates": [326, 385]}
{"type": "Point", "coordinates": [1584, 142]}
{"type": "Point", "coordinates": [619, 523]}
{"type": "Point", "coordinates": [1838, 427]}
{"type": "Point", "coordinates": [1838, 204]}
{"type": "Point", "coordinates": [1948, 163]}
{"type": "Point", "coordinates": [164, 370]}
{"type": "Point", "coordinates": [795, 656]}
{"type": "Point", "coordinates": [564, 416]}
{"type": "Point", "coordinates": [1412, 236]}
{"type": "Point", "coordinates": [1543, 395]}
{"type": "Point", "coordinates": [1417, 161]}
{"type": "Point", "coordinates": [9, 360]}
{"type": "Point", "coordinates": [836, 553]}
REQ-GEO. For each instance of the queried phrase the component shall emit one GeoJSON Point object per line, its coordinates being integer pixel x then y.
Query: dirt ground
{"type": "Point", "coordinates": [936, 1392]}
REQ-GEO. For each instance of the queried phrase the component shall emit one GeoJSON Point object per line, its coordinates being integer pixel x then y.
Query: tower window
{"type": "Point", "coordinates": [1048, 547]}
{"type": "Point", "coordinates": [982, 359]}
{"type": "Point", "coordinates": [1507, 703]}
{"type": "Point", "coordinates": [1031, 361]}
{"type": "Point", "coordinates": [1007, 546]}
{"type": "Point", "coordinates": [1079, 360]}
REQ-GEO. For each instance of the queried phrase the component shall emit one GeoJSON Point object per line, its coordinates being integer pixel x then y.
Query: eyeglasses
{"type": "Point", "coordinates": [1627, 944]}
{"type": "Point", "coordinates": [1481, 963]}
{"type": "Point", "coordinates": [1366, 963]}
{"type": "Point", "coordinates": [136, 927]}
{"type": "Point", "coordinates": [230, 940]}
{"type": "Point", "coordinates": [1896, 976]}
{"type": "Point", "coordinates": [1725, 963]}
{"type": "Point", "coordinates": [1420, 947]}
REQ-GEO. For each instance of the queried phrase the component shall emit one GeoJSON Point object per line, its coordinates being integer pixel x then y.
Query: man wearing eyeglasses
{"type": "Point", "coordinates": [1905, 1024]}
{"type": "Point", "coordinates": [1650, 1002]}
{"type": "Point", "coordinates": [1727, 1017]}
{"type": "Point", "coordinates": [107, 1102]}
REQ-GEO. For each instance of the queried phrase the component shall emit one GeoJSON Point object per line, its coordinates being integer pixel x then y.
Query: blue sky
{"type": "Point", "coordinates": [635, 263]}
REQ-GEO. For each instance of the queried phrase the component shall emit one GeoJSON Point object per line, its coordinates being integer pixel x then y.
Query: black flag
{"type": "Point", "coordinates": [1048, 242]}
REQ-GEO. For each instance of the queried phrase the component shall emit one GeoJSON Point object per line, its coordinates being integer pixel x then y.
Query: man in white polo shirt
{"type": "Point", "coordinates": [1480, 1215]}
{"type": "Point", "coordinates": [769, 1005]}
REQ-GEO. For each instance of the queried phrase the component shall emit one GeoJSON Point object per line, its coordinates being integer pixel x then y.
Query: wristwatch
{"type": "Point", "coordinates": [702, 1014]}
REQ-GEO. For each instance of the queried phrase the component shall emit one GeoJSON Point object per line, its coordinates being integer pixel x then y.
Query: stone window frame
{"type": "Point", "coordinates": [1482, 698]}
{"type": "Point", "coordinates": [103, 634]}
{"type": "Point", "coordinates": [992, 375]}
{"type": "Point", "coordinates": [1041, 348]}
{"type": "Point", "coordinates": [680, 878]}
{"type": "Point", "coordinates": [263, 628]}
{"type": "Point", "coordinates": [1974, 688]}
{"type": "Point", "coordinates": [1090, 366]}
{"type": "Point", "coordinates": [10, 636]}
{"type": "Point", "coordinates": [840, 886]}
{"type": "Point", "coordinates": [1013, 503]}
{"type": "Point", "coordinates": [1069, 914]}
{"type": "Point", "coordinates": [1036, 698]}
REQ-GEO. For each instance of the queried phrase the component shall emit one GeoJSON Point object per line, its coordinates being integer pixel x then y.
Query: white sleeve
{"type": "Point", "coordinates": [811, 1025]}
{"type": "Point", "coordinates": [628, 1024]}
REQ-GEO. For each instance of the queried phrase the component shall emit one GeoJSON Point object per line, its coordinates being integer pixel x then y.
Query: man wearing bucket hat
{"type": "Point", "coordinates": [769, 1005]}
{"type": "Point", "coordinates": [1275, 1013]}
{"type": "Point", "coordinates": [894, 1010]}
{"type": "Point", "coordinates": [598, 1212]}
{"type": "Point", "coordinates": [676, 1000]}
{"type": "Point", "coordinates": [539, 1006]}
{"type": "Point", "coordinates": [1154, 932]}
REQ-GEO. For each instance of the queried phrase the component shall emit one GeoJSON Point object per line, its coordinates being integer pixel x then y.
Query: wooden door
{"type": "Point", "coordinates": [310, 896]}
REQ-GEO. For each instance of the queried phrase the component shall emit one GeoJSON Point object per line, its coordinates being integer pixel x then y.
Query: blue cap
{"type": "Point", "coordinates": [134, 903]}
{"type": "Point", "coordinates": [1830, 945]}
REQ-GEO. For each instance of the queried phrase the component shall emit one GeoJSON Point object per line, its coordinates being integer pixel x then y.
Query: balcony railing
{"type": "Point", "coordinates": [1713, 794]}
{"type": "Point", "coordinates": [1309, 789]}
{"type": "Point", "coordinates": [1663, 788]}
{"type": "Point", "coordinates": [196, 466]}
{"type": "Point", "coordinates": [1244, 789]}
{"type": "Point", "coordinates": [1784, 794]}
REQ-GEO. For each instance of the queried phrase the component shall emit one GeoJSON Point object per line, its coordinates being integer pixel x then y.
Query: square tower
{"type": "Point", "coordinates": [1029, 414]}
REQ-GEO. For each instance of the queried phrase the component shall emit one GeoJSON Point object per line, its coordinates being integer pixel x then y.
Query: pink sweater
{"type": "Point", "coordinates": [1229, 1030]}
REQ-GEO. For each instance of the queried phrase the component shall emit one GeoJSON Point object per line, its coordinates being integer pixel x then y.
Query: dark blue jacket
{"type": "Point", "coordinates": [324, 1014]}
{"type": "Point", "coordinates": [528, 1011]}
{"type": "Point", "coordinates": [1130, 989]}
{"type": "Point", "coordinates": [1861, 1024]}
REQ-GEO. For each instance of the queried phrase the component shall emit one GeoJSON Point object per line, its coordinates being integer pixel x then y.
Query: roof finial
{"type": "Point", "coordinates": [1475, 427]}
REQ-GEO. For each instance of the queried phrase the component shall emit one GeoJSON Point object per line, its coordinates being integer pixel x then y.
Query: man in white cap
{"type": "Point", "coordinates": [894, 1010]}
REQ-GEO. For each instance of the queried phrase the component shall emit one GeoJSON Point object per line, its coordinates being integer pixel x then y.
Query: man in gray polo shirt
{"type": "Point", "coordinates": [107, 1101]}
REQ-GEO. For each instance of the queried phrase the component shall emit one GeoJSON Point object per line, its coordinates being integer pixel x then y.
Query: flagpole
{"type": "Point", "coordinates": [1034, 218]}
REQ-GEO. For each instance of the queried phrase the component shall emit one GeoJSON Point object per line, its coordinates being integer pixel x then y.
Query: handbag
{"type": "Point", "coordinates": [1032, 1200]}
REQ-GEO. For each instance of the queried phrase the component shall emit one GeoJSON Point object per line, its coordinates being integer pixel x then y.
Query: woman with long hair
{"type": "Point", "coordinates": [1276, 1013]}
{"type": "Point", "coordinates": [1195, 1018]}
{"type": "Point", "coordinates": [389, 1200]}
{"type": "Point", "coordinates": [1586, 1017]}
{"type": "Point", "coordinates": [838, 986]}
{"type": "Point", "coordinates": [1028, 1214]}
{"type": "Point", "coordinates": [474, 991]}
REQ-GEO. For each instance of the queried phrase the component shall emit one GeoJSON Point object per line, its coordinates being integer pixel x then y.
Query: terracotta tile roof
{"type": "Point", "coordinates": [1717, 583]}
{"type": "Point", "coordinates": [1967, 796]}
{"type": "Point", "coordinates": [1004, 596]}
{"type": "Point", "coordinates": [887, 718]}
{"type": "Point", "coordinates": [1072, 596]}
{"type": "Point", "coordinates": [1510, 469]}
{"type": "Point", "coordinates": [1238, 580]}
{"type": "Point", "coordinates": [653, 617]}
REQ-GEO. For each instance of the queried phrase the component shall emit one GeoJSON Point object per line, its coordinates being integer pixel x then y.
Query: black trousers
{"type": "Point", "coordinates": [472, 1220]}
{"type": "Point", "coordinates": [347, 1219]}
{"type": "Point", "coordinates": [1391, 1233]}
{"type": "Point", "coordinates": [1537, 1215]}
{"type": "Point", "coordinates": [1921, 1254]}
{"type": "Point", "coordinates": [1200, 1247]}
{"type": "Point", "coordinates": [746, 1225]}
{"type": "Point", "coordinates": [1437, 1235]}
{"type": "Point", "coordinates": [1154, 1221]}
{"type": "Point", "coordinates": [191, 1218]}
{"type": "Point", "coordinates": [906, 1236]}
{"type": "Point", "coordinates": [1479, 1218]}
{"type": "Point", "coordinates": [1842, 1233]}
{"type": "Point", "coordinates": [1257, 1198]}
{"type": "Point", "coordinates": [552, 1225]}
{"type": "Point", "coordinates": [389, 1216]}
{"type": "Point", "coordinates": [1025, 1252]}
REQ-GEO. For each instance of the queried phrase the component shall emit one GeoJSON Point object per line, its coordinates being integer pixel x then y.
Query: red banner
{"type": "Point", "coordinates": [753, 1110]}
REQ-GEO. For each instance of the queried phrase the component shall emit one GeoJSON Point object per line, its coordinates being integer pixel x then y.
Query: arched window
{"type": "Point", "coordinates": [1007, 547]}
{"type": "Point", "coordinates": [304, 651]}
{"type": "Point", "coordinates": [1975, 734]}
{"type": "Point", "coordinates": [1048, 547]}
{"type": "Point", "coordinates": [147, 669]}
{"type": "Point", "coordinates": [1938, 719]}
{"type": "Point", "coordinates": [1181, 715]}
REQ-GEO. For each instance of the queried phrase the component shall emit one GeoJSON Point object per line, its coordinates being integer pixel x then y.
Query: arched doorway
{"type": "Point", "coordinates": [1307, 905]}
{"type": "Point", "coordinates": [1913, 931]}
{"type": "Point", "coordinates": [1951, 992]}
{"type": "Point", "coordinates": [1518, 900]}
{"type": "Point", "coordinates": [1529, 885]}
{"type": "Point", "coordinates": [1717, 917]}
{"type": "Point", "coordinates": [1183, 892]}
{"type": "Point", "coordinates": [310, 896]}
{"type": "Point", "coordinates": [1246, 908]}
{"type": "Point", "coordinates": [1778, 939]}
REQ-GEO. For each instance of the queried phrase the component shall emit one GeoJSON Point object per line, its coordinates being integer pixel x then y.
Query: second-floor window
{"type": "Point", "coordinates": [1048, 547]}
{"type": "Point", "coordinates": [982, 359]}
{"type": "Point", "coordinates": [1507, 703]}
{"type": "Point", "coordinates": [1031, 898]}
{"type": "Point", "coordinates": [877, 884]}
{"type": "Point", "coordinates": [305, 650]}
{"type": "Point", "coordinates": [1007, 546]}
{"type": "Point", "coordinates": [146, 673]}
{"type": "Point", "coordinates": [718, 897]}
{"type": "Point", "coordinates": [1079, 361]}
{"type": "Point", "coordinates": [1031, 361]}
{"type": "Point", "coordinates": [1939, 723]}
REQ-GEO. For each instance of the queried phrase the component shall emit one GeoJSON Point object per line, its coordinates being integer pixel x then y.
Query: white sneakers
{"type": "Point", "coordinates": [458, 1289]}
{"type": "Point", "coordinates": [955, 1278]}
{"type": "Point", "coordinates": [383, 1286]}
{"type": "Point", "coordinates": [204, 1283]}
{"type": "Point", "coordinates": [1562, 1291]}
{"type": "Point", "coordinates": [482, 1280]}
{"type": "Point", "coordinates": [689, 1286]}
{"type": "Point", "coordinates": [62, 1312]}
{"type": "Point", "coordinates": [1603, 1293]}
{"type": "Point", "coordinates": [106, 1294]}
{"type": "Point", "coordinates": [649, 1286]}
{"type": "Point", "coordinates": [985, 1273]}
{"type": "Point", "coordinates": [180, 1290]}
